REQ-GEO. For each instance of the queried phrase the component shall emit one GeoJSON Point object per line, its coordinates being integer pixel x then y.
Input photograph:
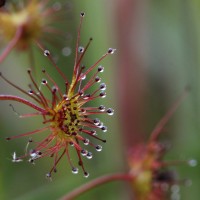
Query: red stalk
{"type": "Point", "coordinates": [157, 130]}
{"type": "Point", "coordinates": [96, 182]}
{"type": "Point", "coordinates": [21, 100]}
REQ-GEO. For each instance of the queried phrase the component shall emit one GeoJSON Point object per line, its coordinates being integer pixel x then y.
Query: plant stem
{"type": "Point", "coordinates": [157, 130]}
{"type": "Point", "coordinates": [96, 182]}
{"type": "Point", "coordinates": [11, 44]}
{"type": "Point", "coordinates": [21, 100]}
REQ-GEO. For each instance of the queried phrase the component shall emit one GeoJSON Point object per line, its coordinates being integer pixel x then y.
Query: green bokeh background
{"type": "Point", "coordinates": [169, 44]}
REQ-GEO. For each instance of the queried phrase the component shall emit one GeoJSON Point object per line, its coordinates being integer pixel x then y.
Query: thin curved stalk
{"type": "Point", "coordinates": [96, 182]}
{"type": "Point", "coordinates": [21, 100]}
{"type": "Point", "coordinates": [11, 44]}
{"type": "Point", "coordinates": [157, 130]}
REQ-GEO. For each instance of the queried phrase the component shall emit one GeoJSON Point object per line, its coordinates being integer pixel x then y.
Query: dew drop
{"type": "Point", "coordinates": [48, 175]}
{"type": "Point", "coordinates": [100, 68]}
{"type": "Point", "coordinates": [74, 170]}
{"type": "Point", "coordinates": [175, 196]}
{"type": "Point", "coordinates": [30, 140]}
{"type": "Point", "coordinates": [84, 152]}
{"type": "Point", "coordinates": [104, 128]}
{"type": "Point", "coordinates": [80, 49]}
{"type": "Point", "coordinates": [111, 50]}
{"type": "Point", "coordinates": [97, 79]}
{"type": "Point", "coordinates": [65, 97]}
{"type": "Point", "coordinates": [87, 96]}
{"type": "Point", "coordinates": [175, 188]}
{"type": "Point", "coordinates": [44, 81]}
{"type": "Point", "coordinates": [66, 51]}
{"type": "Point", "coordinates": [96, 121]}
{"type": "Point", "coordinates": [33, 153]}
{"type": "Point", "coordinates": [81, 93]}
{"type": "Point", "coordinates": [30, 92]}
{"type": "Point", "coordinates": [86, 141]}
{"type": "Point", "coordinates": [102, 108]}
{"type": "Point", "coordinates": [102, 94]}
{"type": "Point", "coordinates": [99, 148]}
{"type": "Point", "coordinates": [192, 163]}
{"type": "Point", "coordinates": [83, 77]}
{"type": "Point", "coordinates": [100, 125]}
{"type": "Point", "coordinates": [86, 174]}
{"type": "Point", "coordinates": [93, 132]}
{"type": "Point", "coordinates": [82, 14]}
{"type": "Point", "coordinates": [54, 89]}
{"type": "Point", "coordinates": [89, 155]}
{"type": "Point", "coordinates": [31, 160]}
{"type": "Point", "coordinates": [46, 53]}
{"type": "Point", "coordinates": [110, 111]}
{"type": "Point", "coordinates": [71, 144]}
{"type": "Point", "coordinates": [102, 86]}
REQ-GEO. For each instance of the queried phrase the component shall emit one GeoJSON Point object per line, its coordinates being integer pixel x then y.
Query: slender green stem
{"type": "Point", "coordinates": [96, 182]}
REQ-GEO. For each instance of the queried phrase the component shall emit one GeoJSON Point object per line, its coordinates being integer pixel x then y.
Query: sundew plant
{"type": "Point", "coordinates": [112, 115]}
{"type": "Point", "coordinates": [65, 114]}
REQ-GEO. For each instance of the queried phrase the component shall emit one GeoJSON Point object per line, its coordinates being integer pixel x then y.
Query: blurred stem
{"type": "Point", "coordinates": [157, 130]}
{"type": "Point", "coordinates": [96, 182]}
{"type": "Point", "coordinates": [131, 72]}
{"type": "Point", "coordinates": [11, 44]}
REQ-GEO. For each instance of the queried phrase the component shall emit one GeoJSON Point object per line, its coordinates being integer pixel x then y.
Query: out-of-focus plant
{"type": "Point", "coordinates": [23, 23]}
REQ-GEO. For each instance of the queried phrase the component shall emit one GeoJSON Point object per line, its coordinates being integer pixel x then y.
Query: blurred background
{"type": "Point", "coordinates": [158, 47]}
